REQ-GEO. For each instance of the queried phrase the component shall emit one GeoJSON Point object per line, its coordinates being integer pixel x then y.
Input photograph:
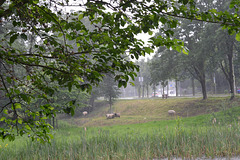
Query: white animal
{"type": "Point", "coordinates": [117, 115]}
{"type": "Point", "coordinates": [85, 113]}
{"type": "Point", "coordinates": [171, 112]}
{"type": "Point", "coordinates": [110, 116]}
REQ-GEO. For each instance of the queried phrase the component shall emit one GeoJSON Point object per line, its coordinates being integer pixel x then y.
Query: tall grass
{"type": "Point", "coordinates": [212, 135]}
{"type": "Point", "coordinates": [76, 143]}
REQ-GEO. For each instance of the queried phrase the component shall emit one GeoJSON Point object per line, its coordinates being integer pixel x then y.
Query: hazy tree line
{"type": "Point", "coordinates": [213, 57]}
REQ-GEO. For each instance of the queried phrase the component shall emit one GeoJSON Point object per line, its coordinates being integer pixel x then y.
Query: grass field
{"type": "Point", "coordinates": [144, 131]}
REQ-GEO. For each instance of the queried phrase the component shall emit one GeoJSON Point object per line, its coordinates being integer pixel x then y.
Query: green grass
{"type": "Point", "coordinates": [175, 141]}
{"type": "Point", "coordinates": [146, 110]}
{"type": "Point", "coordinates": [188, 137]}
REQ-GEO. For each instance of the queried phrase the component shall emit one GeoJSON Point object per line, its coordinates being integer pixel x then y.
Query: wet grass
{"type": "Point", "coordinates": [147, 110]}
{"type": "Point", "coordinates": [105, 143]}
{"type": "Point", "coordinates": [208, 135]}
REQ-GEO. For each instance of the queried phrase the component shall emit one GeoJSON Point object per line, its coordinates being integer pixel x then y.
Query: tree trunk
{"type": "Point", "coordinates": [231, 76]}
{"type": "Point", "coordinates": [193, 86]}
{"type": "Point", "coordinates": [143, 91]}
{"type": "Point", "coordinates": [167, 88]}
{"type": "Point", "coordinates": [215, 84]}
{"type": "Point", "coordinates": [180, 89]}
{"type": "Point", "coordinates": [92, 99]}
{"type": "Point", "coordinates": [236, 87]}
{"type": "Point", "coordinates": [163, 89]}
{"type": "Point", "coordinates": [147, 91]}
{"type": "Point", "coordinates": [176, 85]}
{"type": "Point", "coordinates": [200, 71]}
{"type": "Point", "coordinates": [139, 92]}
{"type": "Point", "coordinates": [203, 86]}
{"type": "Point", "coordinates": [110, 103]}
{"type": "Point", "coordinates": [154, 90]}
{"type": "Point", "coordinates": [229, 70]}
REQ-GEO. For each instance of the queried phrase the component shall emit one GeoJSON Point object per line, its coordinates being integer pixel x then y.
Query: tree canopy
{"type": "Point", "coordinates": [44, 47]}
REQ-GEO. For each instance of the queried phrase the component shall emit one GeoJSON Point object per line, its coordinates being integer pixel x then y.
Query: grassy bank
{"type": "Point", "coordinates": [209, 135]}
{"type": "Point", "coordinates": [146, 110]}
{"type": "Point", "coordinates": [176, 141]}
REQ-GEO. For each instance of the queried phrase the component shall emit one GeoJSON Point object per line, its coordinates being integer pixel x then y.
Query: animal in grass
{"type": "Point", "coordinates": [117, 115]}
{"type": "Point", "coordinates": [110, 116]}
{"type": "Point", "coordinates": [171, 112]}
{"type": "Point", "coordinates": [85, 113]}
{"type": "Point", "coordinates": [164, 96]}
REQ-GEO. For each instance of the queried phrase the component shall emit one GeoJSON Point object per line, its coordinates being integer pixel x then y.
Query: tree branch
{"type": "Point", "coordinates": [224, 70]}
{"type": "Point", "coordinates": [6, 89]}
{"type": "Point", "coordinates": [182, 17]}
{"type": "Point", "coordinates": [38, 65]}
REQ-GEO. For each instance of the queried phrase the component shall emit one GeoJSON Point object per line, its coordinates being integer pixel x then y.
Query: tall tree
{"type": "Point", "coordinates": [225, 47]}
{"type": "Point", "coordinates": [109, 89]}
{"type": "Point", "coordinates": [143, 80]}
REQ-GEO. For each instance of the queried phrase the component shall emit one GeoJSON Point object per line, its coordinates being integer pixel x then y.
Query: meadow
{"type": "Point", "coordinates": [214, 132]}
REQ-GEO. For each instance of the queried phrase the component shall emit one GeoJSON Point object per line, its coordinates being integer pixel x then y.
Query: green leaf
{"type": "Point", "coordinates": [25, 98]}
{"type": "Point", "coordinates": [9, 80]}
{"type": "Point", "coordinates": [60, 34]}
{"type": "Point", "coordinates": [13, 38]}
{"type": "Point", "coordinates": [5, 111]}
{"type": "Point", "coordinates": [199, 17]}
{"type": "Point", "coordinates": [150, 32]}
{"type": "Point", "coordinates": [185, 2]}
{"type": "Point", "coordinates": [80, 17]}
{"type": "Point", "coordinates": [51, 136]}
{"type": "Point", "coordinates": [213, 10]}
{"type": "Point", "coordinates": [51, 108]}
{"type": "Point", "coordinates": [185, 51]}
{"type": "Point", "coordinates": [72, 111]}
{"type": "Point", "coordinates": [27, 127]}
{"type": "Point", "coordinates": [20, 121]}
{"type": "Point", "coordinates": [238, 36]}
{"type": "Point", "coordinates": [17, 105]}
{"type": "Point", "coordinates": [124, 84]}
{"type": "Point", "coordinates": [2, 119]}
{"type": "Point", "coordinates": [14, 23]}
{"type": "Point", "coordinates": [17, 91]}
{"type": "Point", "coordinates": [148, 50]}
{"type": "Point", "coordinates": [69, 86]}
{"type": "Point", "coordinates": [80, 79]}
{"type": "Point", "coordinates": [24, 36]}
{"type": "Point", "coordinates": [120, 84]}
{"type": "Point", "coordinates": [28, 78]}
{"type": "Point", "coordinates": [178, 48]}
{"type": "Point", "coordinates": [132, 83]}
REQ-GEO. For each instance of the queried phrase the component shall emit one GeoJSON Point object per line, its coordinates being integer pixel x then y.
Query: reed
{"type": "Point", "coordinates": [178, 141]}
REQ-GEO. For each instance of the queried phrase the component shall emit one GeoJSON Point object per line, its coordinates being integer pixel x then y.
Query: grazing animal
{"type": "Point", "coordinates": [171, 112]}
{"type": "Point", "coordinates": [164, 96]}
{"type": "Point", "coordinates": [85, 113]}
{"type": "Point", "coordinates": [117, 115]}
{"type": "Point", "coordinates": [110, 116]}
